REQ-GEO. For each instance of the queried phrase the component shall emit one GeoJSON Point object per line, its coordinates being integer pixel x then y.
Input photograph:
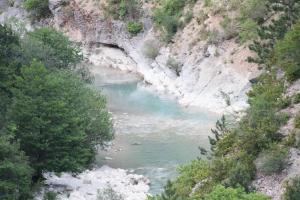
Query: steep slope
{"type": "Point", "coordinates": [214, 76]}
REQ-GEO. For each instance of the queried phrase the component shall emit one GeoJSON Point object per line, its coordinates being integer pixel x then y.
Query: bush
{"type": "Point", "coordinates": [272, 160]}
{"type": "Point", "coordinates": [191, 174]}
{"type": "Point", "coordinates": [248, 30]}
{"type": "Point", "coordinates": [213, 37]}
{"type": "Point", "coordinates": [109, 194]}
{"type": "Point", "coordinates": [234, 171]}
{"type": "Point", "coordinates": [167, 17]}
{"type": "Point", "coordinates": [188, 16]}
{"type": "Point", "coordinates": [174, 64]}
{"type": "Point", "coordinates": [169, 193]}
{"type": "Point", "coordinates": [134, 27]}
{"type": "Point", "coordinates": [230, 28]}
{"type": "Point", "coordinates": [221, 193]}
{"type": "Point", "coordinates": [292, 189]}
{"type": "Point", "coordinates": [150, 49]}
{"type": "Point", "coordinates": [296, 98]}
{"type": "Point", "coordinates": [38, 8]}
{"type": "Point", "coordinates": [253, 10]}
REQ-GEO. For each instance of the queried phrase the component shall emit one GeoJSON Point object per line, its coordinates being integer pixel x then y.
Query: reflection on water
{"type": "Point", "coordinates": [153, 133]}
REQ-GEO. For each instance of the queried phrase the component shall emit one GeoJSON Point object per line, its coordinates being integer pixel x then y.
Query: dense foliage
{"type": "Point", "coordinates": [255, 142]}
{"type": "Point", "coordinates": [9, 50]}
{"type": "Point", "coordinates": [52, 48]}
{"type": "Point", "coordinates": [50, 119]}
{"type": "Point", "coordinates": [58, 127]}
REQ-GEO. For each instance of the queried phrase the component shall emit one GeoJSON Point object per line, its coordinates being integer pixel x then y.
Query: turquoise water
{"type": "Point", "coordinates": [153, 132]}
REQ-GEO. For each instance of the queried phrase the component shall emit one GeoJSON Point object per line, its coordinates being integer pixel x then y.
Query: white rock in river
{"type": "Point", "coordinates": [130, 186]}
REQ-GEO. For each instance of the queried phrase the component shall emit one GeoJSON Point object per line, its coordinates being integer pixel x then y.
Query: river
{"type": "Point", "coordinates": [154, 134]}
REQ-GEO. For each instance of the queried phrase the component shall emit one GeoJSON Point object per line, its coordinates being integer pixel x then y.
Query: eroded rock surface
{"type": "Point", "coordinates": [208, 71]}
{"type": "Point", "coordinates": [87, 185]}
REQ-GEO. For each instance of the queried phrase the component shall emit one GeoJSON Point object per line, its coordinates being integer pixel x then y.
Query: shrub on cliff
{"type": "Point", "coordinates": [150, 49]}
{"type": "Point", "coordinates": [292, 189]}
{"type": "Point", "coordinates": [272, 160]}
{"type": "Point", "coordinates": [123, 9]}
{"type": "Point", "coordinates": [38, 8]}
{"type": "Point", "coordinates": [134, 27]}
{"type": "Point", "coordinates": [175, 65]}
{"type": "Point", "coordinates": [167, 17]}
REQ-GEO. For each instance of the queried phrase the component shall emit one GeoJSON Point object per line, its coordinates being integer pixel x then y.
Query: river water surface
{"type": "Point", "coordinates": [153, 133]}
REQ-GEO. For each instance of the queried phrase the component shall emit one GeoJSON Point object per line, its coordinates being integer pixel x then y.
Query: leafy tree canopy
{"type": "Point", "coordinates": [58, 119]}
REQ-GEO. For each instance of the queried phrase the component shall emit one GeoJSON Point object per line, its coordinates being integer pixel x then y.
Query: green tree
{"type": "Point", "coordinates": [9, 51]}
{"type": "Point", "coordinates": [52, 48]}
{"type": "Point", "coordinates": [15, 173]}
{"type": "Point", "coordinates": [59, 120]}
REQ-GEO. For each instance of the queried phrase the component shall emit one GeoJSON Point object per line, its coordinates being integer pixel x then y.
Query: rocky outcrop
{"type": "Point", "coordinates": [87, 185]}
{"type": "Point", "coordinates": [215, 77]}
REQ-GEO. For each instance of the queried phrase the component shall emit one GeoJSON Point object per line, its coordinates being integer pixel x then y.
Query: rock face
{"type": "Point", "coordinates": [215, 77]}
{"type": "Point", "coordinates": [89, 185]}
